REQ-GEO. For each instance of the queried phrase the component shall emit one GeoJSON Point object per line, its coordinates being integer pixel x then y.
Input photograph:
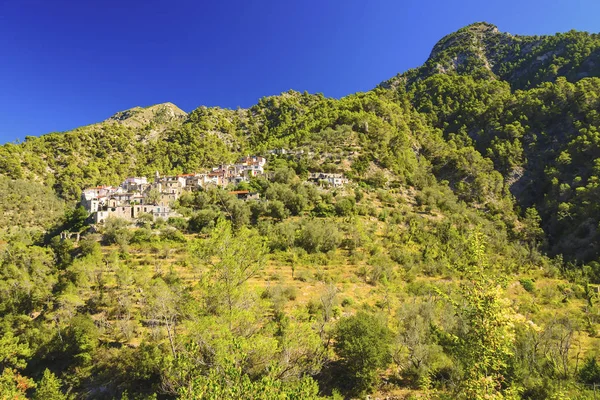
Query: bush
{"type": "Point", "coordinates": [347, 302]}
{"type": "Point", "coordinates": [345, 206]}
{"type": "Point", "coordinates": [173, 235]}
{"type": "Point", "coordinates": [377, 180]}
{"type": "Point", "coordinates": [363, 344]}
{"type": "Point", "coordinates": [277, 210]}
{"type": "Point", "coordinates": [282, 236]}
{"type": "Point", "coordinates": [318, 236]}
{"type": "Point", "coordinates": [590, 372]}
{"type": "Point", "coordinates": [291, 293]}
{"type": "Point", "coordinates": [527, 284]}
{"type": "Point", "coordinates": [323, 209]}
{"type": "Point", "coordinates": [303, 276]}
{"type": "Point", "coordinates": [177, 222]}
{"type": "Point", "coordinates": [116, 232]}
{"type": "Point", "coordinates": [89, 244]}
{"type": "Point", "coordinates": [203, 219]}
{"type": "Point", "coordinates": [142, 235]}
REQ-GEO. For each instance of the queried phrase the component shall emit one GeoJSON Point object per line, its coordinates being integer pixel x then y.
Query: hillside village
{"type": "Point", "coordinates": [136, 196]}
{"type": "Point", "coordinates": [462, 261]}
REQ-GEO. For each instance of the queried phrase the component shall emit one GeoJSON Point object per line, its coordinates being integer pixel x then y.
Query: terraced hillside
{"type": "Point", "coordinates": [461, 261]}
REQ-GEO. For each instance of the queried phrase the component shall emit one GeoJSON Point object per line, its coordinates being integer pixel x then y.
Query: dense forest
{"type": "Point", "coordinates": [462, 261]}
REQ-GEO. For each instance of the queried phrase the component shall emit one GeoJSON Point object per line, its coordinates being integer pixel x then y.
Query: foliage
{"type": "Point", "coordinates": [484, 340]}
{"type": "Point", "coordinates": [27, 204]}
{"type": "Point", "coordinates": [362, 342]}
{"type": "Point", "coordinates": [590, 371]}
{"type": "Point", "coordinates": [232, 383]}
{"type": "Point", "coordinates": [233, 258]}
{"type": "Point", "coordinates": [49, 388]}
{"type": "Point", "coordinates": [465, 248]}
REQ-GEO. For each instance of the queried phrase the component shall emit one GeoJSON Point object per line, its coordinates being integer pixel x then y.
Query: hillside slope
{"type": "Point", "coordinates": [466, 89]}
{"type": "Point", "coordinates": [461, 261]}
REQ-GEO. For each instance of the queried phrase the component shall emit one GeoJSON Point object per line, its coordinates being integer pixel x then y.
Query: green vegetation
{"type": "Point", "coordinates": [462, 261]}
{"type": "Point", "coordinates": [362, 342]}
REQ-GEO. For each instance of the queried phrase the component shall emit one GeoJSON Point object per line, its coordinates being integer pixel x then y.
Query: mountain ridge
{"type": "Point", "coordinates": [461, 258]}
{"type": "Point", "coordinates": [524, 61]}
{"type": "Point", "coordinates": [467, 90]}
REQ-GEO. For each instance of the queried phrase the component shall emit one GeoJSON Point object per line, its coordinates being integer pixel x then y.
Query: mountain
{"type": "Point", "coordinates": [465, 251]}
{"type": "Point", "coordinates": [521, 102]}
{"type": "Point", "coordinates": [159, 115]}
{"type": "Point", "coordinates": [481, 50]}
{"type": "Point", "coordinates": [467, 88]}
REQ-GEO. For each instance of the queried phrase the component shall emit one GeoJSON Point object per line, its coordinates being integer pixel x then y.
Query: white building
{"type": "Point", "coordinates": [335, 180]}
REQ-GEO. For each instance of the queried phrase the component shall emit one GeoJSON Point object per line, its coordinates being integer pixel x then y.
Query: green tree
{"type": "Point", "coordinates": [13, 357]}
{"type": "Point", "coordinates": [81, 339]}
{"type": "Point", "coordinates": [203, 219]}
{"type": "Point", "coordinates": [76, 219]}
{"type": "Point", "coordinates": [63, 250]}
{"type": "Point", "coordinates": [116, 231]}
{"type": "Point", "coordinates": [163, 305]}
{"type": "Point", "coordinates": [532, 232]}
{"type": "Point", "coordinates": [153, 196]}
{"type": "Point", "coordinates": [318, 236]}
{"type": "Point", "coordinates": [49, 388]}
{"type": "Point", "coordinates": [13, 386]}
{"type": "Point", "coordinates": [232, 257]}
{"type": "Point", "coordinates": [13, 354]}
{"type": "Point", "coordinates": [590, 371]}
{"type": "Point", "coordinates": [345, 206]}
{"type": "Point", "coordinates": [363, 344]}
{"type": "Point", "coordinates": [483, 341]}
{"type": "Point", "coordinates": [277, 210]}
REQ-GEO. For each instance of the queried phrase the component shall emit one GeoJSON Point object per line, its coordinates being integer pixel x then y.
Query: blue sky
{"type": "Point", "coordinates": [68, 63]}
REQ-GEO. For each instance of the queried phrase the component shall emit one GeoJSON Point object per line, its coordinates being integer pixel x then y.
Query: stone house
{"type": "Point", "coordinates": [335, 180]}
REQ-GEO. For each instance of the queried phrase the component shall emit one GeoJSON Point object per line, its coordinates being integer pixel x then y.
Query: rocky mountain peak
{"type": "Point", "coordinates": [159, 114]}
{"type": "Point", "coordinates": [467, 39]}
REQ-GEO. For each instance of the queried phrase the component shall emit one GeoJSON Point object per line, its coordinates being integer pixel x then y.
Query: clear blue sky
{"type": "Point", "coordinates": [67, 63]}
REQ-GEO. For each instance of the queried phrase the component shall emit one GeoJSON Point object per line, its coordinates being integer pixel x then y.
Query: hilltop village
{"type": "Point", "coordinates": [136, 196]}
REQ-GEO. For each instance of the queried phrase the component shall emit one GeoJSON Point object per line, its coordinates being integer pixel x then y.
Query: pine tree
{"type": "Point", "coordinates": [49, 388]}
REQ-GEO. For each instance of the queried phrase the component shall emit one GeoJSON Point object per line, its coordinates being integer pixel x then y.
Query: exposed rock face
{"type": "Point", "coordinates": [159, 114]}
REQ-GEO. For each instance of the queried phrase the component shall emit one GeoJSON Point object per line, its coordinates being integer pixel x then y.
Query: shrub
{"type": "Point", "coordinates": [318, 236]}
{"type": "Point", "coordinates": [363, 344]}
{"type": "Point", "coordinates": [203, 219]}
{"type": "Point", "coordinates": [527, 284]}
{"type": "Point", "coordinates": [177, 222]}
{"type": "Point", "coordinates": [116, 232]}
{"type": "Point", "coordinates": [590, 372]}
{"type": "Point", "coordinates": [345, 206]}
{"type": "Point", "coordinates": [142, 235]}
{"type": "Point", "coordinates": [347, 302]}
{"type": "Point", "coordinates": [172, 235]}
{"type": "Point", "coordinates": [282, 236]}
{"type": "Point", "coordinates": [291, 293]}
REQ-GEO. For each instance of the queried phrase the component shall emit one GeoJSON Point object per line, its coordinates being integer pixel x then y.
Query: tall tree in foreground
{"type": "Point", "coordinates": [482, 342]}
{"type": "Point", "coordinates": [232, 258]}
